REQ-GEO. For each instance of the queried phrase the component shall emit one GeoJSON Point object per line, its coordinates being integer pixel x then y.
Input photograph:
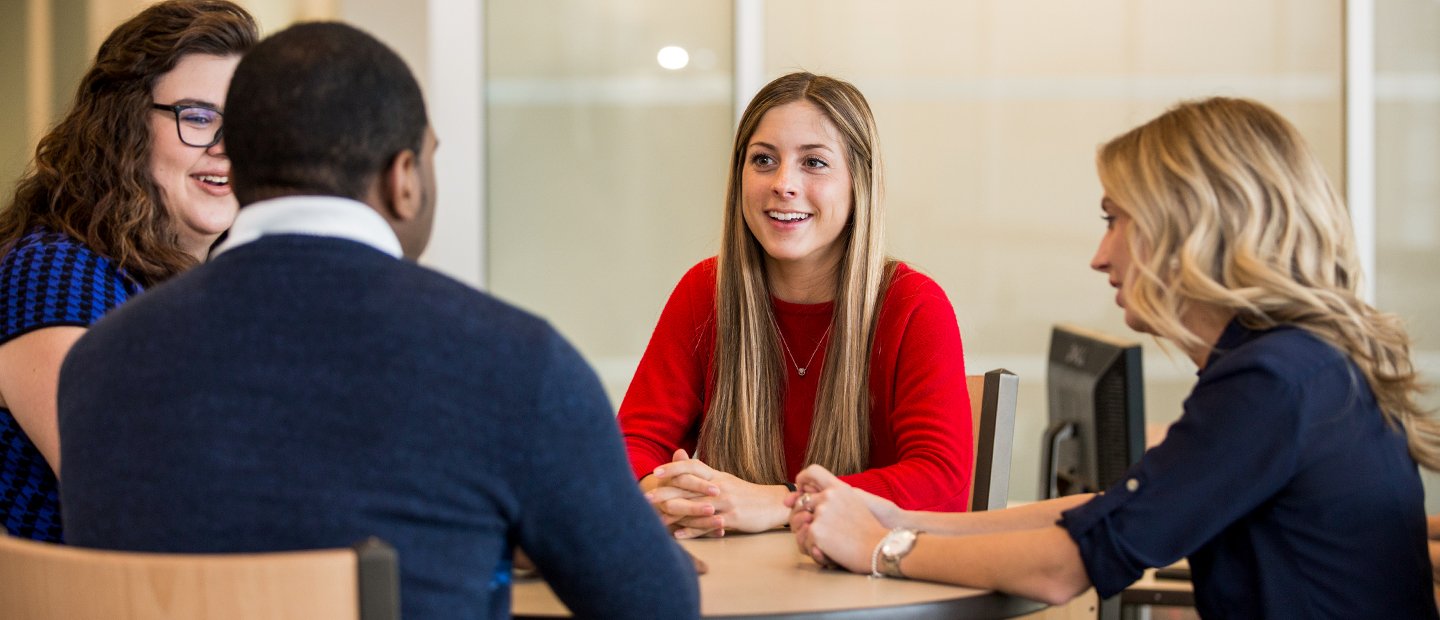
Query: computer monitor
{"type": "Point", "coordinates": [1097, 412]}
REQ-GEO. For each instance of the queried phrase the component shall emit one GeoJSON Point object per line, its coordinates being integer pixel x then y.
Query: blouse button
{"type": "Point", "coordinates": [1132, 485]}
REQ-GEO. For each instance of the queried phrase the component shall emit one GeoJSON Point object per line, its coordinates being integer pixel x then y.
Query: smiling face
{"type": "Point", "coordinates": [194, 182]}
{"type": "Point", "coordinates": [1113, 259]}
{"type": "Point", "coordinates": [796, 188]}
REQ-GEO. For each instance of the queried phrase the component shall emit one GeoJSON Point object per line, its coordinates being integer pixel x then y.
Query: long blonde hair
{"type": "Point", "coordinates": [1230, 209]}
{"type": "Point", "coordinates": [741, 433]}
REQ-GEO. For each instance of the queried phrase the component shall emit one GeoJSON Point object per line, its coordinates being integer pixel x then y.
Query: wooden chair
{"type": "Point", "coordinates": [992, 407]}
{"type": "Point", "coordinates": [44, 581]}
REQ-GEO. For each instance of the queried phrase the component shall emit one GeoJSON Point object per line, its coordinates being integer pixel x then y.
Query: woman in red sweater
{"type": "Point", "coordinates": [801, 342]}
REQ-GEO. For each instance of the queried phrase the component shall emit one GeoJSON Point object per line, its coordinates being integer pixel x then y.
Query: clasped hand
{"type": "Point", "coordinates": [695, 500]}
{"type": "Point", "coordinates": [835, 523]}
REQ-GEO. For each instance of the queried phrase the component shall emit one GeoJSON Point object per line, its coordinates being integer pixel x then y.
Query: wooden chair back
{"type": "Point", "coordinates": [44, 581]}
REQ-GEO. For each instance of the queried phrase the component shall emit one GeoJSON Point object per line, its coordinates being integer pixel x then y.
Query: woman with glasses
{"type": "Point", "coordinates": [130, 188]}
{"type": "Point", "coordinates": [1290, 481]}
{"type": "Point", "coordinates": [802, 342]}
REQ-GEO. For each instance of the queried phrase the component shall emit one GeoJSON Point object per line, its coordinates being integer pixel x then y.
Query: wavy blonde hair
{"type": "Point", "coordinates": [741, 433]}
{"type": "Point", "coordinates": [1230, 209]}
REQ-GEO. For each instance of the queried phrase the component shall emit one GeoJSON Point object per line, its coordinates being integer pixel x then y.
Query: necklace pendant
{"type": "Point", "coordinates": [801, 371]}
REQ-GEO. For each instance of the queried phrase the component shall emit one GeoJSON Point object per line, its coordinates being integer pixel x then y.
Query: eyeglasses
{"type": "Point", "coordinates": [198, 126]}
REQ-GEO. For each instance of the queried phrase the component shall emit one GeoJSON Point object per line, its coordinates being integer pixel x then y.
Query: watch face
{"type": "Point", "coordinates": [898, 542]}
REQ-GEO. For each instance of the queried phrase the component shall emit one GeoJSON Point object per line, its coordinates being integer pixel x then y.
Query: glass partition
{"type": "Point", "coordinates": [1407, 179]}
{"type": "Point", "coordinates": [606, 170]}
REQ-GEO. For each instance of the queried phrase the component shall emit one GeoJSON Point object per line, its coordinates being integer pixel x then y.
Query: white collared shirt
{"type": "Point", "coordinates": [320, 216]}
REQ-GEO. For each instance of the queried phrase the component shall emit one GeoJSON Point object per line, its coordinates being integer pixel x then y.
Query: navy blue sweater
{"type": "Point", "coordinates": [301, 392]}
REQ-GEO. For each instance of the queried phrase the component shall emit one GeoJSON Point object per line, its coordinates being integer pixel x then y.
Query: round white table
{"type": "Point", "coordinates": [765, 576]}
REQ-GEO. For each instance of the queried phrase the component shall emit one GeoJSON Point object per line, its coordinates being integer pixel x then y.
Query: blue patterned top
{"type": "Point", "coordinates": [48, 279]}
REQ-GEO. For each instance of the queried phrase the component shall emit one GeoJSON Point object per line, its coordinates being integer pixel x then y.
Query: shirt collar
{"type": "Point", "coordinates": [1234, 335]}
{"type": "Point", "coordinates": [320, 216]}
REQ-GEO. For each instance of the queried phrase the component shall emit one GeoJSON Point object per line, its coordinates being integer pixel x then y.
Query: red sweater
{"type": "Point", "coordinates": [920, 430]}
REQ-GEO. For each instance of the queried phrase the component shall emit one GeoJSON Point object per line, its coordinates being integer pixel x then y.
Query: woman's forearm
{"type": "Point", "coordinates": [1043, 564]}
{"type": "Point", "coordinates": [1026, 517]}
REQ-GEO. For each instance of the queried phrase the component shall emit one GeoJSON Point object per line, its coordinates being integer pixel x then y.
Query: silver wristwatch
{"type": "Point", "coordinates": [891, 549]}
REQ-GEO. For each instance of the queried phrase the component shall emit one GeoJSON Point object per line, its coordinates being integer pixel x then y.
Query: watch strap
{"type": "Point", "coordinates": [884, 565]}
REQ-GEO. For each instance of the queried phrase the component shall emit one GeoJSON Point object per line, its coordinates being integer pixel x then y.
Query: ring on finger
{"type": "Point", "coordinates": [805, 503]}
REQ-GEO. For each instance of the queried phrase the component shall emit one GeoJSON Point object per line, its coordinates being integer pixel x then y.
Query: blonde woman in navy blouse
{"type": "Point", "coordinates": [1290, 481]}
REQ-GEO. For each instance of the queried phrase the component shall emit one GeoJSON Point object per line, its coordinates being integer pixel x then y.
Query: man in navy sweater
{"type": "Point", "coordinates": [311, 386]}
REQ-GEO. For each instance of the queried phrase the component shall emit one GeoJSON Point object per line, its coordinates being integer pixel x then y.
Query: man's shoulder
{"type": "Point", "coordinates": [445, 304]}
{"type": "Point", "coordinates": [335, 272]}
{"type": "Point", "coordinates": [340, 263]}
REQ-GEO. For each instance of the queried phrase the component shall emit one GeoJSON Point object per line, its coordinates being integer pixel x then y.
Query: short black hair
{"type": "Point", "coordinates": [319, 108]}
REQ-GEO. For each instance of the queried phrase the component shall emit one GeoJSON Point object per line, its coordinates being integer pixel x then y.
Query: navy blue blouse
{"type": "Point", "coordinates": [47, 279]}
{"type": "Point", "coordinates": [1282, 484]}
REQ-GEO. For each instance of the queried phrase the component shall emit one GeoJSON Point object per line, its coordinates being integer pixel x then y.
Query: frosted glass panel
{"type": "Point", "coordinates": [606, 171]}
{"type": "Point", "coordinates": [1407, 179]}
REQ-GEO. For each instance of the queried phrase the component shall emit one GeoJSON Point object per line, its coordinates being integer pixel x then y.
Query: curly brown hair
{"type": "Point", "coordinates": [90, 178]}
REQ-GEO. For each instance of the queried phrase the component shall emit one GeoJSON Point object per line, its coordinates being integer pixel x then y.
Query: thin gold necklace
{"type": "Point", "coordinates": [798, 368]}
